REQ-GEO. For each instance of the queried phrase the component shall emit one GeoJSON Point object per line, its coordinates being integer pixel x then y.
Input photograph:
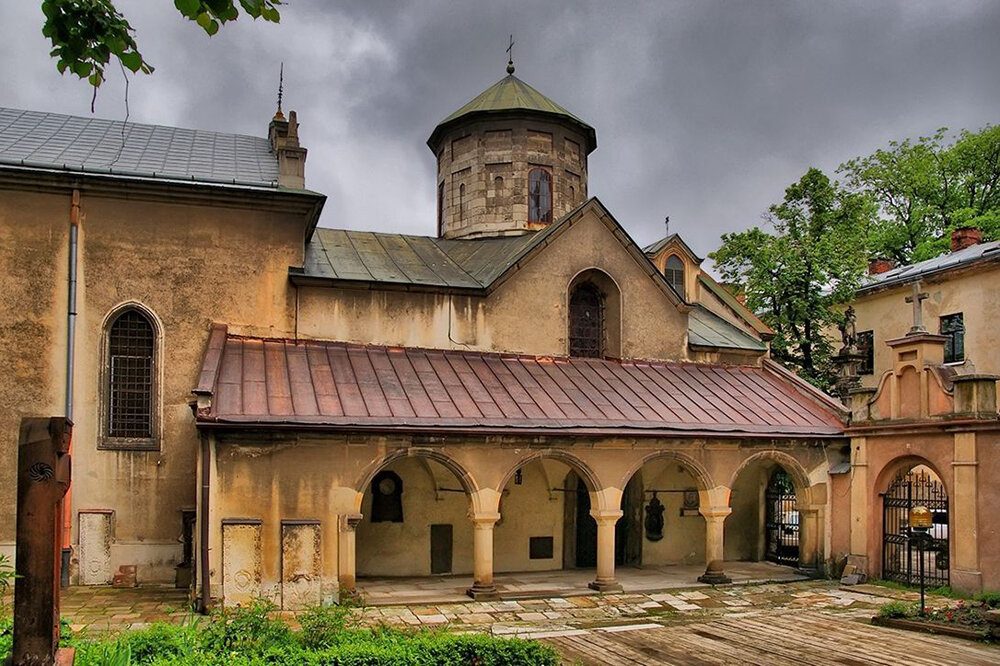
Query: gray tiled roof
{"type": "Point", "coordinates": [944, 262]}
{"type": "Point", "coordinates": [95, 145]}
{"type": "Point", "coordinates": [707, 329]}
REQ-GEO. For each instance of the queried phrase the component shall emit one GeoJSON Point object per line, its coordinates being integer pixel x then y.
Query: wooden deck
{"type": "Point", "coordinates": [773, 639]}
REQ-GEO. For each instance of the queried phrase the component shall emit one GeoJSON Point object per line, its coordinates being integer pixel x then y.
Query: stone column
{"type": "Point", "coordinates": [809, 536]}
{"type": "Point", "coordinates": [859, 557]}
{"type": "Point", "coordinates": [347, 554]}
{"type": "Point", "coordinates": [964, 539]}
{"type": "Point", "coordinates": [483, 588]}
{"type": "Point", "coordinates": [606, 520]}
{"type": "Point", "coordinates": [715, 520]}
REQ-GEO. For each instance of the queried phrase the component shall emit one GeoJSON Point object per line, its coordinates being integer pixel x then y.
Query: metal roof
{"type": "Point", "coordinates": [512, 94]}
{"type": "Point", "coordinates": [944, 262]}
{"type": "Point", "coordinates": [256, 382]}
{"type": "Point", "coordinates": [99, 146]}
{"type": "Point", "coordinates": [707, 329]}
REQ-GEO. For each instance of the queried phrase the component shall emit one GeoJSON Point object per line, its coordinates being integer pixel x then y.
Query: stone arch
{"type": "Point", "coordinates": [896, 465]}
{"type": "Point", "coordinates": [695, 468]}
{"type": "Point", "coordinates": [469, 484]}
{"type": "Point", "coordinates": [613, 306]}
{"type": "Point", "coordinates": [790, 464]}
{"type": "Point", "coordinates": [594, 484]}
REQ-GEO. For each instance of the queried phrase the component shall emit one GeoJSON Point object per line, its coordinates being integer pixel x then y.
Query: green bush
{"type": "Point", "coordinates": [895, 609]}
{"type": "Point", "coordinates": [991, 599]}
{"type": "Point", "coordinates": [248, 628]}
{"type": "Point", "coordinates": [323, 626]}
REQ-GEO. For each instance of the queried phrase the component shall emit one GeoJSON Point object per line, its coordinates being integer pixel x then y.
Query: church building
{"type": "Point", "coordinates": [263, 406]}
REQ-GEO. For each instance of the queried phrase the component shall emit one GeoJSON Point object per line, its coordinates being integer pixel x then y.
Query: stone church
{"type": "Point", "coordinates": [266, 407]}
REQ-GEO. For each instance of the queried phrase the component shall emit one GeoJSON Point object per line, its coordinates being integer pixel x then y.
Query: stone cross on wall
{"type": "Point", "coordinates": [917, 299]}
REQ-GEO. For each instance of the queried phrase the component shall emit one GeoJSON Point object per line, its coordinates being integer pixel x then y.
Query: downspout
{"type": "Point", "coordinates": [203, 524]}
{"type": "Point", "coordinates": [74, 221]}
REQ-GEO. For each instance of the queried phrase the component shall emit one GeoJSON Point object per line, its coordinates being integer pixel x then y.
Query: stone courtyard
{"type": "Point", "coordinates": [811, 622]}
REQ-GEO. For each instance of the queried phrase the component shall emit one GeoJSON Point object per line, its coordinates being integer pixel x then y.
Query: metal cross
{"type": "Point", "coordinates": [666, 225]}
{"type": "Point", "coordinates": [281, 84]}
{"type": "Point", "coordinates": [510, 50]}
{"type": "Point", "coordinates": [917, 299]}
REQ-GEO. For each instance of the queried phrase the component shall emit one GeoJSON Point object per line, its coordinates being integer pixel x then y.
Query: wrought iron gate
{"type": "Point", "coordinates": [781, 520]}
{"type": "Point", "coordinates": [900, 559]}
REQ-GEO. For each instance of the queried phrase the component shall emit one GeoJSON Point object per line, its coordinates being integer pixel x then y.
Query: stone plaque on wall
{"type": "Point", "coordinates": [301, 564]}
{"type": "Point", "coordinates": [241, 570]}
{"type": "Point", "coordinates": [95, 547]}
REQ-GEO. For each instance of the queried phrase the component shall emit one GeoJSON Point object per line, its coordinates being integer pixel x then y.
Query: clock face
{"type": "Point", "coordinates": [387, 486]}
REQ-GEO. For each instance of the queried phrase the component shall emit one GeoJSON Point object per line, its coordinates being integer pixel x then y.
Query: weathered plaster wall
{"type": "Point", "coordinates": [528, 510]}
{"type": "Point", "coordinates": [683, 535]}
{"type": "Point", "coordinates": [976, 293]}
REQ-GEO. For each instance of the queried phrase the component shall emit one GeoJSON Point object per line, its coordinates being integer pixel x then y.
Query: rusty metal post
{"type": "Point", "coordinates": [43, 477]}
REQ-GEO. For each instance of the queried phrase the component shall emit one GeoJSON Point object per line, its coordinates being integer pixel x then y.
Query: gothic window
{"type": "Point", "coordinates": [866, 348]}
{"type": "Point", "coordinates": [387, 498]}
{"type": "Point", "coordinates": [130, 372]}
{"type": "Point", "coordinates": [953, 327]}
{"type": "Point", "coordinates": [674, 272]}
{"type": "Point", "coordinates": [539, 196]}
{"type": "Point", "coordinates": [586, 321]}
{"type": "Point", "coordinates": [441, 209]}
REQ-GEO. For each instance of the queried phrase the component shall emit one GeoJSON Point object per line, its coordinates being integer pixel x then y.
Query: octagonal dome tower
{"type": "Point", "coordinates": [509, 162]}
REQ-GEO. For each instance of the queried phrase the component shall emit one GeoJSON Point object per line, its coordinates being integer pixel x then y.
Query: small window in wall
{"type": "Point", "coordinates": [866, 348]}
{"type": "Point", "coordinates": [674, 272]}
{"type": "Point", "coordinates": [461, 201]}
{"type": "Point", "coordinates": [441, 209]}
{"type": "Point", "coordinates": [498, 186]}
{"type": "Point", "coordinates": [953, 327]}
{"type": "Point", "coordinates": [540, 548]}
{"type": "Point", "coordinates": [387, 498]}
{"type": "Point", "coordinates": [129, 408]}
{"type": "Point", "coordinates": [586, 321]}
{"type": "Point", "coordinates": [539, 196]}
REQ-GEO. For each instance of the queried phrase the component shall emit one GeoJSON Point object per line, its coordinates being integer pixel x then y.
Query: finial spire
{"type": "Point", "coordinates": [510, 56]}
{"type": "Point", "coordinates": [281, 90]}
{"type": "Point", "coordinates": [666, 225]}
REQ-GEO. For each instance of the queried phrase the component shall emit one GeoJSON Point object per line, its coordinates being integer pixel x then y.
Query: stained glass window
{"type": "Point", "coordinates": [586, 321]}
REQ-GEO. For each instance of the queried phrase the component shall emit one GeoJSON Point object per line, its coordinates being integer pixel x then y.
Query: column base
{"type": "Point", "coordinates": [483, 592]}
{"type": "Point", "coordinates": [715, 574]}
{"type": "Point", "coordinates": [605, 585]}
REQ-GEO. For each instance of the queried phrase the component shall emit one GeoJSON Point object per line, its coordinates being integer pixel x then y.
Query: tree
{"type": "Point", "coordinates": [794, 277]}
{"type": "Point", "coordinates": [928, 187]}
{"type": "Point", "coordinates": [86, 34]}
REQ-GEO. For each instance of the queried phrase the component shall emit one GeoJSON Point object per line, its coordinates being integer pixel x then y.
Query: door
{"type": "Point", "coordinates": [441, 547]}
{"type": "Point", "coordinates": [781, 520]}
{"type": "Point", "coordinates": [900, 558]}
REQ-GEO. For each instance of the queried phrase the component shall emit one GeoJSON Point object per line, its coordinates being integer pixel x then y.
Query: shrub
{"type": "Point", "coordinates": [7, 577]}
{"type": "Point", "coordinates": [248, 628]}
{"type": "Point", "coordinates": [895, 609]}
{"type": "Point", "coordinates": [323, 626]}
{"type": "Point", "coordinates": [991, 599]}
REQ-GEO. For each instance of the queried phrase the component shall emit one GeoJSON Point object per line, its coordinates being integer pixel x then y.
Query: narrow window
{"type": "Point", "coordinates": [586, 321]}
{"type": "Point", "coordinates": [131, 346]}
{"type": "Point", "coordinates": [866, 348]}
{"type": "Point", "coordinates": [387, 498]}
{"type": "Point", "coordinates": [441, 209]}
{"type": "Point", "coordinates": [461, 202]}
{"type": "Point", "coordinates": [953, 327]}
{"type": "Point", "coordinates": [498, 186]}
{"type": "Point", "coordinates": [539, 196]}
{"type": "Point", "coordinates": [674, 272]}
{"type": "Point", "coordinates": [572, 195]}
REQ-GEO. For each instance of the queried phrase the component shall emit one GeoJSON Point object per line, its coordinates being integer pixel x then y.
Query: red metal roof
{"type": "Point", "coordinates": [312, 383]}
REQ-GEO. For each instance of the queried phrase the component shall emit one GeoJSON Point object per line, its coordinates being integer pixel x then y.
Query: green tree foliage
{"type": "Point", "coordinates": [794, 276]}
{"type": "Point", "coordinates": [87, 34]}
{"type": "Point", "coordinates": [926, 188]}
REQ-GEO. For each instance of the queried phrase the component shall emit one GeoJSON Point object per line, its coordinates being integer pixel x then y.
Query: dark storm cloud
{"type": "Point", "coordinates": [705, 111]}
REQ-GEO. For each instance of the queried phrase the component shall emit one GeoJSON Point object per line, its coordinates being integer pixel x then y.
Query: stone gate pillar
{"type": "Point", "coordinates": [715, 521]}
{"type": "Point", "coordinates": [606, 520]}
{"type": "Point", "coordinates": [483, 587]}
{"type": "Point", "coordinates": [347, 577]}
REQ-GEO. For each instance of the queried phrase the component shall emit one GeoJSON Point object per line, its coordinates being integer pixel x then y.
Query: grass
{"type": "Point", "coordinates": [251, 635]}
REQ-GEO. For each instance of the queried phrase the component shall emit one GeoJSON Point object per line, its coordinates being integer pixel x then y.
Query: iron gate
{"type": "Point", "coordinates": [900, 559]}
{"type": "Point", "coordinates": [781, 520]}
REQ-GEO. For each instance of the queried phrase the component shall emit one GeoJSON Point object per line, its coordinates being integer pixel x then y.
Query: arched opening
{"type": "Point", "coordinates": [674, 272]}
{"type": "Point", "coordinates": [415, 521]}
{"type": "Point", "coordinates": [915, 483]}
{"type": "Point", "coordinates": [129, 392]}
{"type": "Point", "coordinates": [765, 523]}
{"type": "Point", "coordinates": [539, 196]}
{"type": "Point", "coordinates": [594, 315]}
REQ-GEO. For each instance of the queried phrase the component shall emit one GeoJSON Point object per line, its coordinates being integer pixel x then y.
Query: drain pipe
{"type": "Point", "coordinates": [74, 222]}
{"type": "Point", "coordinates": [206, 480]}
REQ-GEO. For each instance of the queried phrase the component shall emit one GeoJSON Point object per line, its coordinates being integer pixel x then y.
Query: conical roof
{"type": "Point", "coordinates": [512, 94]}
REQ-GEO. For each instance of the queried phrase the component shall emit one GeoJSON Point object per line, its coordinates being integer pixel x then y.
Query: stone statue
{"type": "Point", "coordinates": [654, 519]}
{"type": "Point", "coordinates": [848, 331]}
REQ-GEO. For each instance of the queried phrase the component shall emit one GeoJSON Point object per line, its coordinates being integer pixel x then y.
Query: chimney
{"type": "Point", "coordinates": [964, 237]}
{"type": "Point", "coordinates": [284, 137]}
{"type": "Point", "coordinates": [876, 266]}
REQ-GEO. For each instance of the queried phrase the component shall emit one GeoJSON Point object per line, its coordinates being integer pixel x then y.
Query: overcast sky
{"type": "Point", "coordinates": [705, 110]}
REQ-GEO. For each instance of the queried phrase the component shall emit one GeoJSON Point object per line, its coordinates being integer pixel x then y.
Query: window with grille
{"type": "Point", "coordinates": [866, 348]}
{"type": "Point", "coordinates": [131, 348]}
{"type": "Point", "coordinates": [674, 272]}
{"type": "Point", "coordinates": [586, 321]}
{"type": "Point", "coordinates": [953, 327]}
{"type": "Point", "coordinates": [539, 196]}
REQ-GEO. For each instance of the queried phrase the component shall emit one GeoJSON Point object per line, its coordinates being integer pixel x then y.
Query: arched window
{"type": "Point", "coordinates": [674, 272]}
{"type": "Point", "coordinates": [461, 201]}
{"type": "Point", "coordinates": [539, 196]}
{"type": "Point", "coordinates": [130, 374]}
{"type": "Point", "coordinates": [387, 498]}
{"type": "Point", "coordinates": [498, 186]}
{"type": "Point", "coordinates": [586, 321]}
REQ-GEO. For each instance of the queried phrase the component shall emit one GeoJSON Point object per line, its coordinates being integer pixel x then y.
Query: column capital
{"type": "Point", "coordinates": [484, 519]}
{"type": "Point", "coordinates": [606, 515]}
{"type": "Point", "coordinates": [715, 512]}
{"type": "Point", "coordinates": [349, 521]}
